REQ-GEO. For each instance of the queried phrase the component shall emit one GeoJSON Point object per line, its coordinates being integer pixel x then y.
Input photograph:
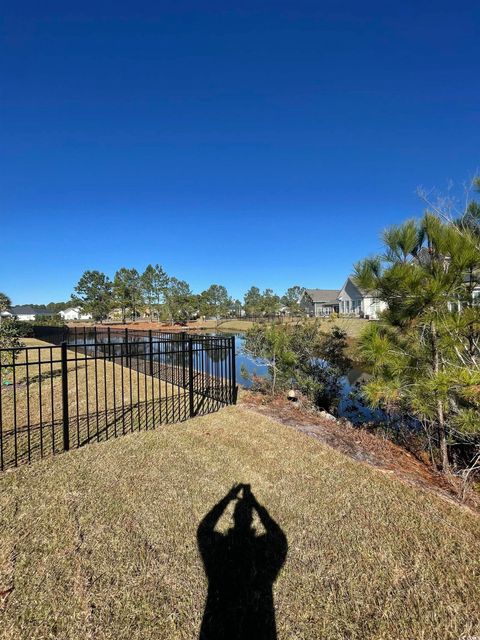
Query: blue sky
{"type": "Point", "coordinates": [240, 143]}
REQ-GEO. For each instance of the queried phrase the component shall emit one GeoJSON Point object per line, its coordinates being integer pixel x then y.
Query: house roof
{"type": "Point", "coordinates": [26, 309]}
{"type": "Point", "coordinates": [363, 292]}
{"type": "Point", "coordinates": [322, 295]}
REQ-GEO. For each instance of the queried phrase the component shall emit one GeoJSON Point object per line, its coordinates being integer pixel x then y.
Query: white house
{"type": "Point", "coordinates": [75, 313]}
{"type": "Point", "coordinates": [358, 302]}
{"type": "Point", "coordinates": [319, 302]}
{"type": "Point", "coordinates": [25, 312]}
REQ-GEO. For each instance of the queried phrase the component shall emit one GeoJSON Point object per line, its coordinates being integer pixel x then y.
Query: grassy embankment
{"type": "Point", "coordinates": [352, 326]}
{"type": "Point", "coordinates": [101, 542]}
{"type": "Point", "coordinates": [126, 400]}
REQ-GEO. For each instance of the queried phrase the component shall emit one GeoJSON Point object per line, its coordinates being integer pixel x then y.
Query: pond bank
{"type": "Point", "coordinates": [361, 445]}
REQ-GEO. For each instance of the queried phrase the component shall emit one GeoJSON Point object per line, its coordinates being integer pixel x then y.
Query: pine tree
{"type": "Point", "coordinates": [425, 354]}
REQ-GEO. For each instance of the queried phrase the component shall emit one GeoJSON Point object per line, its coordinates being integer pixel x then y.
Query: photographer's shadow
{"type": "Point", "coordinates": [241, 568]}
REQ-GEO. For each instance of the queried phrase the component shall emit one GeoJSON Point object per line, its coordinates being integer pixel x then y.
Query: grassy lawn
{"type": "Point", "coordinates": [353, 326]}
{"type": "Point", "coordinates": [225, 325]}
{"type": "Point", "coordinates": [105, 399]}
{"type": "Point", "coordinates": [101, 542]}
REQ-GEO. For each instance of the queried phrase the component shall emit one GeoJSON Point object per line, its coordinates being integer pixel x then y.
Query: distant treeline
{"type": "Point", "coordinates": [160, 296]}
{"type": "Point", "coordinates": [54, 307]}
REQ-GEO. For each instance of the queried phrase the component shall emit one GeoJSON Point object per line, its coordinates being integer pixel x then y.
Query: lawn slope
{"type": "Point", "coordinates": [101, 542]}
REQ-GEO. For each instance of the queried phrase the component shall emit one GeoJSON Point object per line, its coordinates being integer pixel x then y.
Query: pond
{"type": "Point", "coordinates": [350, 407]}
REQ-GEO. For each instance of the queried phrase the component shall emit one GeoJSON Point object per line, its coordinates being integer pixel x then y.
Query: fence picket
{"type": "Point", "coordinates": [195, 374]}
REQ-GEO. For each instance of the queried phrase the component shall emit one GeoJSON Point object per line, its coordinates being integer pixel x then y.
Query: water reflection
{"type": "Point", "coordinates": [172, 352]}
{"type": "Point", "coordinates": [350, 405]}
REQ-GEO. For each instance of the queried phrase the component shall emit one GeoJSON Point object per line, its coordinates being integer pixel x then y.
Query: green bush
{"type": "Point", "coordinates": [304, 356]}
{"type": "Point", "coordinates": [10, 334]}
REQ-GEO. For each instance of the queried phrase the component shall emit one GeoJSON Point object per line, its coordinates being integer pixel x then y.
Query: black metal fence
{"type": "Point", "coordinates": [105, 383]}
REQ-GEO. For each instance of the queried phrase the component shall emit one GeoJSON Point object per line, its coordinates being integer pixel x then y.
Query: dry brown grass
{"type": "Point", "coordinates": [105, 399]}
{"type": "Point", "coordinates": [101, 542]}
{"type": "Point", "coordinates": [352, 326]}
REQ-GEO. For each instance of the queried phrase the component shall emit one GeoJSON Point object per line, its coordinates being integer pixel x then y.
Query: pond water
{"type": "Point", "coordinates": [350, 406]}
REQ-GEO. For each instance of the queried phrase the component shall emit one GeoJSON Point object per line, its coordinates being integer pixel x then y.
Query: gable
{"type": "Point", "coordinates": [350, 291]}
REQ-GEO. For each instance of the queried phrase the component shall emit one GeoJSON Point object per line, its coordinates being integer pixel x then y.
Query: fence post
{"type": "Point", "coordinates": [190, 377]}
{"type": "Point", "coordinates": [184, 373]}
{"type": "Point", "coordinates": [151, 351]}
{"type": "Point", "coordinates": [233, 372]}
{"type": "Point", "coordinates": [66, 434]}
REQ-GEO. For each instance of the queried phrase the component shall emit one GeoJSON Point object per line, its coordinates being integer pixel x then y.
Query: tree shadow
{"type": "Point", "coordinates": [241, 568]}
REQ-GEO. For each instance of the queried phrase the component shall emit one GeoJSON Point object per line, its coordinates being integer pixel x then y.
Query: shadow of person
{"type": "Point", "coordinates": [241, 568]}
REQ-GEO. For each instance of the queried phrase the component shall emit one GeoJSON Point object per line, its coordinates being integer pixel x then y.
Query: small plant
{"type": "Point", "coordinates": [303, 356]}
{"type": "Point", "coordinates": [10, 333]}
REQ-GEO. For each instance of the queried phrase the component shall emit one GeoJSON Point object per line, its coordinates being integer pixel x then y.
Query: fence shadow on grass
{"type": "Point", "coordinates": [241, 568]}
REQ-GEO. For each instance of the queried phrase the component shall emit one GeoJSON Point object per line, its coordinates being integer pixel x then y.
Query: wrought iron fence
{"type": "Point", "coordinates": [107, 383]}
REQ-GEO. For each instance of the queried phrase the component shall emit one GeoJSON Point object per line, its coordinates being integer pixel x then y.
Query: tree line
{"type": "Point", "coordinates": [161, 297]}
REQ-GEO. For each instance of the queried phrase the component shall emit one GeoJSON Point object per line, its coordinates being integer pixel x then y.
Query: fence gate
{"type": "Point", "coordinates": [105, 383]}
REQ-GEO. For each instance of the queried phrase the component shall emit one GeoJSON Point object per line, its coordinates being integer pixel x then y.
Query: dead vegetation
{"type": "Point", "coordinates": [101, 542]}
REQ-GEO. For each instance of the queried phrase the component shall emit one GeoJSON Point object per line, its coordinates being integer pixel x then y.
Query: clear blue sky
{"type": "Point", "coordinates": [240, 143]}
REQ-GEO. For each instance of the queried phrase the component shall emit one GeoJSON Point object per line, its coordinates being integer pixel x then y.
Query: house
{"type": "Point", "coordinates": [356, 301]}
{"type": "Point", "coordinates": [75, 313]}
{"type": "Point", "coordinates": [26, 313]}
{"type": "Point", "coordinates": [319, 302]}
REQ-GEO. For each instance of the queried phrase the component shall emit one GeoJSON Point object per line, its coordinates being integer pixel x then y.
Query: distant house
{"type": "Point", "coordinates": [471, 279]}
{"type": "Point", "coordinates": [319, 302]}
{"type": "Point", "coordinates": [75, 313]}
{"type": "Point", "coordinates": [356, 301]}
{"type": "Point", "coordinates": [26, 313]}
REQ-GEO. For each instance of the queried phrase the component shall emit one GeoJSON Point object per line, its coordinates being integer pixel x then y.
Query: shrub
{"type": "Point", "coordinates": [303, 356]}
{"type": "Point", "coordinates": [10, 334]}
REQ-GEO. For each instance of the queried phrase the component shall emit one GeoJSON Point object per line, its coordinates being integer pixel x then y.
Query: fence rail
{"type": "Point", "coordinates": [103, 384]}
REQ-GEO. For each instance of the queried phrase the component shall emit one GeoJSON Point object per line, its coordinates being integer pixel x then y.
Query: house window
{"type": "Point", "coordinates": [356, 305]}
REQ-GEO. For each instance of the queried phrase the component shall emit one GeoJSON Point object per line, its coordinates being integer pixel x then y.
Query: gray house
{"type": "Point", "coordinates": [319, 302]}
{"type": "Point", "coordinates": [358, 302]}
{"type": "Point", "coordinates": [26, 313]}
